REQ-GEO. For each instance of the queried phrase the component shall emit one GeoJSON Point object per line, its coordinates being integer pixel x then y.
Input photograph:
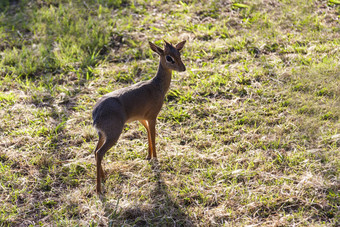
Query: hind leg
{"type": "Point", "coordinates": [99, 157]}
{"type": "Point", "coordinates": [99, 145]}
{"type": "Point", "coordinates": [112, 132]}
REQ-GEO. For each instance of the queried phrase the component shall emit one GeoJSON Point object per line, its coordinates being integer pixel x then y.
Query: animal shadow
{"type": "Point", "coordinates": [163, 210]}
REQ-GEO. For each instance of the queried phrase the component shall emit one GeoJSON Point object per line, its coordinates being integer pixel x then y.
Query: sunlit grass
{"type": "Point", "coordinates": [248, 135]}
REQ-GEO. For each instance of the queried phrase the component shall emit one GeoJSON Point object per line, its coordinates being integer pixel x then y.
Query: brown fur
{"type": "Point", "coordinates": [141, 101]}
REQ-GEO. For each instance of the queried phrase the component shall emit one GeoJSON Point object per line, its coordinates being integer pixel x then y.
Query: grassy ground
{"type": "Point", "coordinates": [248, 135]}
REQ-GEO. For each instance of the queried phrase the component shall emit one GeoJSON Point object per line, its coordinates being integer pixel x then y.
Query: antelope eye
{"type": "Point", "coordinates": [169, 59]}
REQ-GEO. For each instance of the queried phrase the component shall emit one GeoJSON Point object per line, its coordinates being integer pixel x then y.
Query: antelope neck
{"type": "Point", "coordinates": [163, 77]}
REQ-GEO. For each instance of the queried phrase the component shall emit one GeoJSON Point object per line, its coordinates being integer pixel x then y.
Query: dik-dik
{"type": "Point", "coordinates": [141, 101]}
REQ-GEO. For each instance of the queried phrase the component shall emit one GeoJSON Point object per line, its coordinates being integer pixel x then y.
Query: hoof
{"type": "Point", "coordinates": [100, 194]}
{"type": "Point", "coordinates": [154, 161]}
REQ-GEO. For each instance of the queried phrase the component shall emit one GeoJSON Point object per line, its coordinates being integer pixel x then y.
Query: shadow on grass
{"type": "Point", "coordinates": [36, 43]}
{"type": "Point", "coordinates": [163, 210]}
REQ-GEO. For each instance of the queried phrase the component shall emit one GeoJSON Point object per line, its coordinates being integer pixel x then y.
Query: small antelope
{"type": "Point", "coordinates": [141, 101]}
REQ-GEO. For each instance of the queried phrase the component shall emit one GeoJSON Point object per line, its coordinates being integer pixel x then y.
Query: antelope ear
{"type": "Point", "coordinates": [156, 49]}
{"type": "Point", "coordinates": [179, 46]}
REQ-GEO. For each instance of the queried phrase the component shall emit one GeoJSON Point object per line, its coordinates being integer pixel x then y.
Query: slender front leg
{"type": "Point", "coordinates": [152, 134]}
{"type": "Point", "coordinates": [146, 125]}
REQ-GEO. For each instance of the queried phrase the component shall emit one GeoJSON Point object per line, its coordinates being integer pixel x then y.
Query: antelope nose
{"type": "Point", "coordinates": [183, 68]}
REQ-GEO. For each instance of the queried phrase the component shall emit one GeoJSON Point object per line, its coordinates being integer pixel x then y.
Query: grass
{"type": "Point", "coordinates": [248, 135]}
